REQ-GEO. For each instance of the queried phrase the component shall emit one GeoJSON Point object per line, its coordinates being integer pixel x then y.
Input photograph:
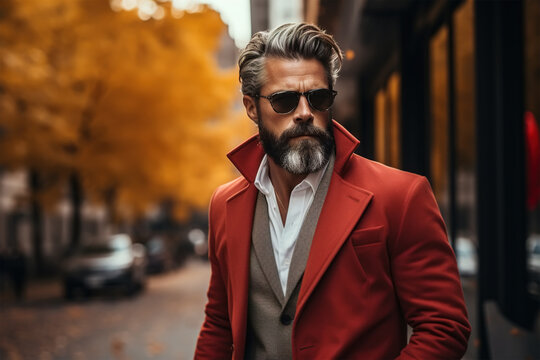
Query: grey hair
{"type": "Point", "coordinates": [288, 41]}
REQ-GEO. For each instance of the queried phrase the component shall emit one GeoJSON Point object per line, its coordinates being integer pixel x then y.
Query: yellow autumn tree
{"type": "Point", "coordinates": [137, 111]}
{"type": "Point", "coordinates": [168, 105]}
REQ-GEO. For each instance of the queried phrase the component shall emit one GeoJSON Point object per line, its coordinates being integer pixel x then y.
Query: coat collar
{"type": "Point", "coordinates": [248, 155]}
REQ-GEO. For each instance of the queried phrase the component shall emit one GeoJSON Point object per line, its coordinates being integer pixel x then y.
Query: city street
{"type": "Point", "coordinates": [161, 323]}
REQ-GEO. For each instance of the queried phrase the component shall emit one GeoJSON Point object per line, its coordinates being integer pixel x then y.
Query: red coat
{"type": "Point", "coordinates": [379, 260]}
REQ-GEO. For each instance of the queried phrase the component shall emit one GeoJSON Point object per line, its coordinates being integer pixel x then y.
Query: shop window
{"type": "Point", "coordinates": [465, 239]}
{"type": "Point", "coordinates": [380, 126]}
{"type": "Point", "coordinates": [439, 165]}
{"type": "Point", "coordinates": [465, 143]}
{"type": "Point", "coordinates": [532, 119]}
{"type": "Point", "coordinates": [388, 122]}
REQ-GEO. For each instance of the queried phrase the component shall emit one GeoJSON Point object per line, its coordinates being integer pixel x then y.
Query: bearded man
{"type": "Point", "coordinates": [316, 252]}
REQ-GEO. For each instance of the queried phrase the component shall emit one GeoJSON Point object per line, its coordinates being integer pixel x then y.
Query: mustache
{"type": "Point", "coordinates": [303, 129]}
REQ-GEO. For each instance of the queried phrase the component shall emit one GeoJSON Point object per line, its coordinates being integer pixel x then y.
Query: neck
{"type": "Point", "coordinates": [282, 180]}
{"type": "Point", "coordinates": [283, 183]}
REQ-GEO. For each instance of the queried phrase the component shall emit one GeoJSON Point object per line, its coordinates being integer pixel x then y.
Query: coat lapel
{"type": "Point", "coordinates": [262, 245]}
{"type": "Point", "coordinates": [343, 207]}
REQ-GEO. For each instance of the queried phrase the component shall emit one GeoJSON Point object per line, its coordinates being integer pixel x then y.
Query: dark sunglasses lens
{"type": "Point", "coordinates": [321, 99]}
{"type": "Point", "coordinates": [285, 102]}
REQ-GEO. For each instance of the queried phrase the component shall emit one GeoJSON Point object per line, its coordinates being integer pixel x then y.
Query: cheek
{"type": "Point", "coordinates": [321, 120]}
{"type": "Point", "coordinates": [277, 123]}
{"type": "Point", "coordinates": [273, 122]}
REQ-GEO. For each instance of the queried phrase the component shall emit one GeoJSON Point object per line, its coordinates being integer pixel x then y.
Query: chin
{"type": "Point", "coordinates": [304, 158]}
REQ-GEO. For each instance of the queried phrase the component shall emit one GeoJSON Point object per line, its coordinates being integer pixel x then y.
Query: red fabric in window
{"type": "Point", "coordinates": [532, 142]}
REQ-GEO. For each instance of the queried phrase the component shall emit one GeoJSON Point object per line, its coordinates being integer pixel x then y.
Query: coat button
{"type": "Point", "coordinates": [285, 319]}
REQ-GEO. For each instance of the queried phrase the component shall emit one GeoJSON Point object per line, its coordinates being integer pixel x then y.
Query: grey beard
{"type": "Point", "coordinates": [305, 157]}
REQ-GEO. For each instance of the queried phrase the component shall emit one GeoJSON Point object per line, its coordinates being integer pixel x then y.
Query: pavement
{"type": "Point", "coordinates": [160, 323]}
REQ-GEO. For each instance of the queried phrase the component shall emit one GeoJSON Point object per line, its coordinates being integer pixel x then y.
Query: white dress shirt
{"type": "Point", "coordinates": [284, 236]}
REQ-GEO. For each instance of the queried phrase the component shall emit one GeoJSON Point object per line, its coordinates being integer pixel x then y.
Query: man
{"type": "Point", "coordinates": [318, 253]}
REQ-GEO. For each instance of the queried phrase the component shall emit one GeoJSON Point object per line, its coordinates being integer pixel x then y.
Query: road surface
{"type": "Point", "coordinates": [161, 323]}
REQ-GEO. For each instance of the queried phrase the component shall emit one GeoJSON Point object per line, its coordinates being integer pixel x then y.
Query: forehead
{"type": "Point", "coordinates": [294, 74]}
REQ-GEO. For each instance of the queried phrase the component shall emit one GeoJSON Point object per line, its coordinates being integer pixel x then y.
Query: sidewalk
{"type": "Point", "coordinates": [161, 323]}
{"type": "Point", "coordinates": [37, 290]}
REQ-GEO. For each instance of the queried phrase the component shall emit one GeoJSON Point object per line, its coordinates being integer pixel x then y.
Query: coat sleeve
{"type": "Point", "coordinates": [215, 337]}
{"type": "Point", "coordinates": [427, 281]}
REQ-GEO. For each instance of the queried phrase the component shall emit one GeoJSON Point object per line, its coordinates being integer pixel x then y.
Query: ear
{"type": "Point", "coordinates": [251, 108]}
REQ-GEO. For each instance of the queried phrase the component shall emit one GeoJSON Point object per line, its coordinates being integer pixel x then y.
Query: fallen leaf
{"type": "Point", "coordinates": [154, 348]}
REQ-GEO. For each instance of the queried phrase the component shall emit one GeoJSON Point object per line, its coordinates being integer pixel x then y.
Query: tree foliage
{"type": "Point", "coordinates": [138, 110]}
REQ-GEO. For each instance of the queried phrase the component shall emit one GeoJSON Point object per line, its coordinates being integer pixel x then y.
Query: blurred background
{"type": "Point", "coordinates": [116, 115]}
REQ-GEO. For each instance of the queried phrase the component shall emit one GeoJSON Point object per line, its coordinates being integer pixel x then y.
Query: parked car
{"type": "Point", "coordinates": [114, 262]}
{"type": "Point", "coordinates": [533, 264]}
{"type": "Point", "coordinates": [199, 240]}
{"type": "Point", "coordinates": [159, 255]}
{"type": "Point", "coordinates": [466, 256]}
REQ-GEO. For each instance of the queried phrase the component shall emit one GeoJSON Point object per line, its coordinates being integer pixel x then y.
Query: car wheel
{"type": "Point", "coordinates": [132, 288]}
{"type": "Point", "coordinates": [68, 292]}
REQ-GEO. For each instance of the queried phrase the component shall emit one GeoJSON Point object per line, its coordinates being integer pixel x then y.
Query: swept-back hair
{"type": "Point", "coordinates": [288, 41]}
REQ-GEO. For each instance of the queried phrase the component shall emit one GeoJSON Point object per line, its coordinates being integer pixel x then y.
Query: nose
{"type": "Point", "coordinates": [303, 111]}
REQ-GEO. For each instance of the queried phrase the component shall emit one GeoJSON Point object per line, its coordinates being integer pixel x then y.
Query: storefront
{"type": "Point", "coordinates": [442, 89]}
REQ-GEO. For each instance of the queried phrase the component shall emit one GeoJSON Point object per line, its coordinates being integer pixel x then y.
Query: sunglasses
{"type": "Point", "coordinates": [284, 102]}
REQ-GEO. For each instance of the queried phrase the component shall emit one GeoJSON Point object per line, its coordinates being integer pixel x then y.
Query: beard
{"type": "Point", "coordinates": [305, 156]}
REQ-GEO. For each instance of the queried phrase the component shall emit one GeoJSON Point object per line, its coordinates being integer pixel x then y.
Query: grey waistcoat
{"type": "Point", "coordinates": [270, 312]}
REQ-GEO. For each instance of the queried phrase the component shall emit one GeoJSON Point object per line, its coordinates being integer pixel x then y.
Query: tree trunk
{"type": "Point", "coordinates": [37, 221]}
{"type": "Point", "coordinates": [76, 204]}
{"type": "Point", "coordinates": [110, 201]}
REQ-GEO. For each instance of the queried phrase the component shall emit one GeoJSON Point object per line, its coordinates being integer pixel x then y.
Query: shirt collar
{"type": "Point", "coordinates": [262, 180]}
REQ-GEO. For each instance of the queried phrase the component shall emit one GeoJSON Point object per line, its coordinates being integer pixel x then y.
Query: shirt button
{"type": "Point", "coordinates": [285, 319]}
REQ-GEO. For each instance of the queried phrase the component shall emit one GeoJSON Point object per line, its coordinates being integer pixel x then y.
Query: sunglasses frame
{"type": "Point", "coordinates": [298, 94]}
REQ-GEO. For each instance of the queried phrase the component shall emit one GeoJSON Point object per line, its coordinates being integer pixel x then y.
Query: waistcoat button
{"type": "Point", "coordinates": [285, 319]}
